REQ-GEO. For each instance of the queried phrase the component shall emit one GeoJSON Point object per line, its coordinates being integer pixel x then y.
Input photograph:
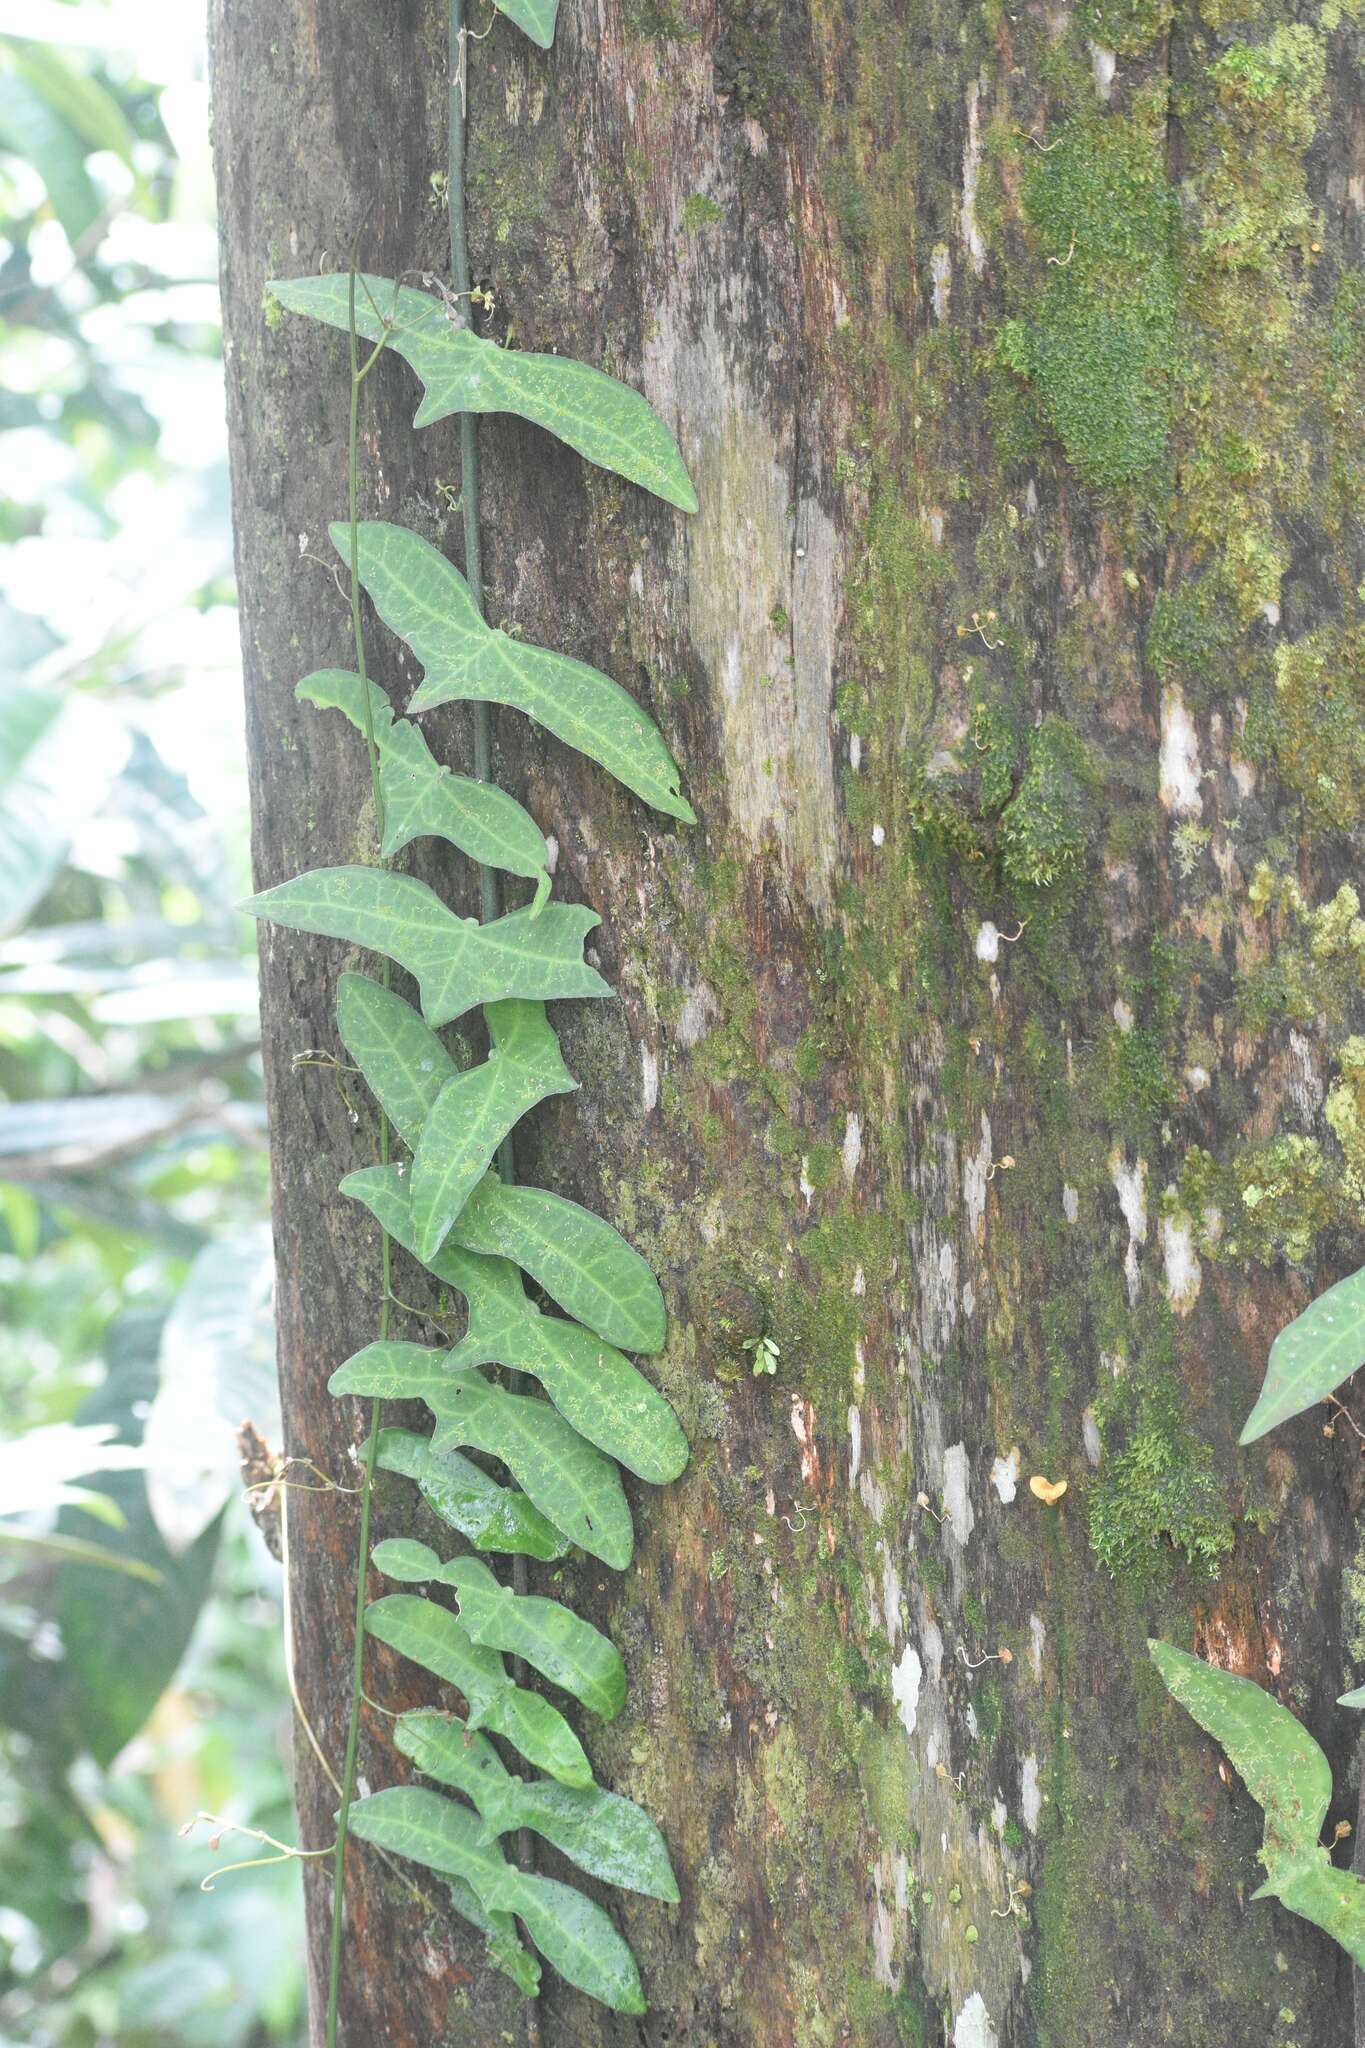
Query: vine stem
{"type": "Point", "coordinates": [358, 376]}
{"type": "Point", "coordinates": [489, 891]}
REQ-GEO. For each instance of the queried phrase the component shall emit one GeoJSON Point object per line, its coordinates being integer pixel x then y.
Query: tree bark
{"type": "Point", "coordinates": [1014, 665]}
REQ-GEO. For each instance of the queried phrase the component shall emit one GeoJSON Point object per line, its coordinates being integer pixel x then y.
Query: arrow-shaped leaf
{"type": "Point", "coordinates": [493, 1517]}
{"type": "Point", "coordinates": [457, 962]}
{"type": "Point", "coordinates": [603, 419]}
{"type": "Point", "coordinates": [426, 601]}
{"type": "Point", "coordinates": [604, 1834]}
{"type": "Point", "coordinates": [474, 1112]}
{"type": "Point", "coordinates": [549, 1637]}
{"type": "Point", "coordinates": [1282, 1767]}
{"type": "Point", "coordinates": [570, 1931]}
{"type": "Point", "coordinates": [601, 1393]}
{"type": "Point", "coordinates": [1312, 1356]}
{"type": "Point", "coordinates": [432, 1637]}
{"type": "Point", "coordinates": [424, 800]}
{"type": "Point", "coordinates": [568, 1479]}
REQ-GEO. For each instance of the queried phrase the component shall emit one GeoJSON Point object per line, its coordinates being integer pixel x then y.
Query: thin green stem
{"type": "Point", "coordinates": [358, 375]}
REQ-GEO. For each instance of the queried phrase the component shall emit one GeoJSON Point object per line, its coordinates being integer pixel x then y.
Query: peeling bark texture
{"type": "Point", "coordinates": [989, 1042]}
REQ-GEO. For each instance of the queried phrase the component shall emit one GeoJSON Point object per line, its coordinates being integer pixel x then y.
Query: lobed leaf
{"type": "Point", "coordinates": [431, 1636]}
{"type": "Point", "coordinates": [549, 1637]}
{"type": "Point", "coordinates": [424, 800]}
{"type": "Point", "coordinates": [461, 371]}
{"type": "Point", "coordinates": [569, 1930]}
{"type": "Point", "coordinates": [456, 961]}
{"type": "Point", "coordinates": [404, 1063]}
{"type": "Point", "coordinates": [1332, 1899]}
{"type": "Point", "coordinates": [604, 1834]}
{"type": "Point", "coordinates": [425, 600]}
{"type": "Point", "coordinates": [1312, 1356]}
{"type": "Point", "coordinates": [567, 1478]}
{"type": "Point", "coordinates": [1277, 1759]}
{"type": "Point", "coordinates": [493, 1517]}
{"type": "Point", "coordinates": [580, 1261]}
{"type": "Point", "coordinates": [474, 1112]}
{"type": "Point", "coordinates": [601, 1393]}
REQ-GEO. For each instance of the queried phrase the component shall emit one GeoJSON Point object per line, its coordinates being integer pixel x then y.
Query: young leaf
{"type": "Point", "coordinates": [601, 1393]}
{"type": "Point", "coordinates": [402, 1059]}
{"type": "Point", "coordinates": [474, 1112]}
{"type": "Point", "coordinates": [566, 1477]}
{"type": "Point", "coordinates": [456, 962]}
{"type": "Point", "coordinates": [610, 1837]}
{"type": "Point", "coordinates": [570, 1931]}
{"type": "Point", "coordinates": [552, 1639]}
{"type": "Point", "coordinates": [1287, 1774]}
{"type": "Point", "coordinates": [493, 1517]}
{"type": "Point", "coordinates": [499, 1931]}
{"type": "Point", "coordinates": [1312, 1356]}
{"type": "Point", "coordinates": [426, 601]}
{"type": "Point", "coordinates": [580, 1261]}
{"type": "Point", "coordinates": [604, 420]}
{"type": "Point", "coordinates": [535, 18]}
{"type": "Point", "coordinates": [432, 1637]}
{"type": "Point", "coordinates": [1282, 1767]}
{"type": "Point", "coordinates": [424, 800]}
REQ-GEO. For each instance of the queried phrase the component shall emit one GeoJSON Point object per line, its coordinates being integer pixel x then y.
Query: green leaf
{"type": "Point", "coordinates": [552, 1639]}
{"type": "Point", "coordinates": [424, 800]}
{"type": "Point", "coordinates": [1332, 1899]}
{"type": "Point", "coordinates": [499, 1931]}
{"type": "Point", "coordinates": [604, 420]}
{"type": "Point", "coordinates": [570, 1931]}
{"type": "Point", "coordinates": [598, 1390]}
{"type": "Point", "coordinates": [493, 1517]}
{"type": "Point", "coordinates": [404, 1063]}
{"type": "Point", "coordinates": [59, 752]}
{"type": "Point", "coordinates": [535, 18]}
{"type": "Point", "coordinates": [77, 97]}
{"type": "Point", "coordinates": [601, 1393]}
{"type": "Point", "coordinates": [426, 601]}
{"type": "Point", "coordinates": [567, 1478]}
{"type": "Point", "coordinates": [40, 133]}
{"type": "Point", "coordinates": [456, 961]}
{"type": "Point", "coordinates": [604, 1834]}
{"type": "Point", "coordinates": [1312, 1356]}
{"type": "Point", "coordinates": [1352, 1699]}
{"type": "Point", "coordinates": [432, 1637]}
{"type": "Point", "coordinates": [474, 1112]}
{"type": "Point", "coordinates": [580, 1261]}
{"type": "Point", "coordinates": [1282, 1767]}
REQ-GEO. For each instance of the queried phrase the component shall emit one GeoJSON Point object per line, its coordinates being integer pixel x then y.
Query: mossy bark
{"type": "Point", "coordinates": [981, 1043]}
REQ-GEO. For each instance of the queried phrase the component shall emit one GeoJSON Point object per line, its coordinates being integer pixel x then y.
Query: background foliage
{"type": "Point", "coordinates": [140, 1682]}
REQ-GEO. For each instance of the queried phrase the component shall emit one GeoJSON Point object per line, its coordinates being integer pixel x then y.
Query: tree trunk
{"type": "Point", "coordinates": [1014, 666]}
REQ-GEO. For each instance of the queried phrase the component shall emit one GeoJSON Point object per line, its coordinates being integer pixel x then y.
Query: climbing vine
{"type": "Point", "coordinates": [446, 1192]}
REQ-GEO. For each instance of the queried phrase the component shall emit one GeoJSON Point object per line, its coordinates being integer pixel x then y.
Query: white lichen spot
{"type": "Point", "coordinates": [1000, 1813]}
{"type": "Point", "coordinates": [1179, 786]}
{"type": "Point", "coordinates": [976, 1168]}
{"type": "Point", "coordinates": [805, 1183]}
{"type": "Point", "coordinates": [988, 943]}
{"type": "Point", "coordinates": [855, 1443]}
{"type": "Point", "coordinates": [1102, 65]}
{"type": "Point", "coordinates": [1071, 1202]}
{"type": "Point", "coordinates": [1030, 1794]}
{"type": "Point", "coordinates": [1037, 1638]}
{"type": "Point", "coordinates": [859, 1281]}
{"type": "Point", "coordinates": [637, 580]}
{"type": "Point", "coordinates": [1196, 1079]}
{"type": "Point", "coordinates": [649, 1074]}
{"type": "Point", "coordinates": [1005, 1475]}
{"type": "Point", "coordinates": [551, 853]}
{"type": "Point", "coordinates": [852, 1150]}
{"type": "Point", "coordinates": [971, 173]}
{"type": "Point", "coordinates": [972, 2028]}
{"type": "Point", "coordinates": [957, 1499]}
{"type": "Point", "coordinates": [1130, 1185]}
{"type": "Point", "coordinates": [879, 835]}
{"type": "Point", "coordinates": [941, 272]}
{"type": "Point", "coordinates": [1090, 1437]}
{"type": "Point", "coordinates": [971, 1722]}
{"type": "Point", "coordinates": [1123, 1015]}
{"type": "Point", "coordinates": [855, 753]}
{"type": "Point", "coordinates": [905, 1682]}
{"type": "Point", "coordinates": [698, 1013]}
{"type": "Point", "coordinates": [1183, 1272]}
